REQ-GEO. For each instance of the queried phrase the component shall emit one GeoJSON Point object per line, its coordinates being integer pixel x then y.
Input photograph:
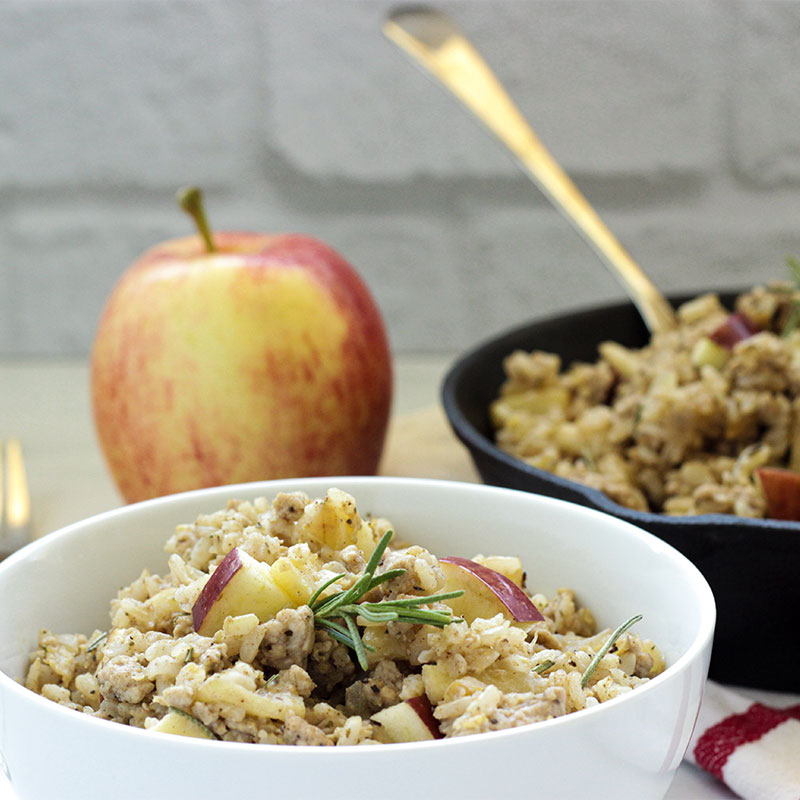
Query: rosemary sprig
{"type": "Point", "coordinates": [346, 606]}
{"type": "Point", "coordinates": [637, 418]}
{"type": "Point", "coordinates": [609, 643]}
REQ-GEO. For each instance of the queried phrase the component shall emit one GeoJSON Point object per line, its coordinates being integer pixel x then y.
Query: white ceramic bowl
{"type": "Point", "coordinates": [630, 746]}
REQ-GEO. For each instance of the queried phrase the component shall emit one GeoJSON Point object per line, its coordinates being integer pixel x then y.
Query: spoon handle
{"type": "Point", "coordinates": [432, 40]}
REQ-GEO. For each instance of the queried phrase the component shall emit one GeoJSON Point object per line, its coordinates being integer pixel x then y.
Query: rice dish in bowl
{"type": "Point", "coordinates": [173, 661]}
{"type": "Point", "coordinates": [326, 699]}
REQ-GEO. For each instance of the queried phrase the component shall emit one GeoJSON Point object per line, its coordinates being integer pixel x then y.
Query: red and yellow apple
{"type": "Point", "coordinates": [233, 357]}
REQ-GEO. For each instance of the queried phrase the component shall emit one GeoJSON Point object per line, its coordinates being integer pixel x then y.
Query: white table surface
{"type": "Point", "coordinates": [46, 405]}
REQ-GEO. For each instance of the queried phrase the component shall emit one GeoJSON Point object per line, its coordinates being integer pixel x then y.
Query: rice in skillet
{"type": "Point", "coordinates": [680, 426]}
{"type": "Point", "coordinates": [285, 680]}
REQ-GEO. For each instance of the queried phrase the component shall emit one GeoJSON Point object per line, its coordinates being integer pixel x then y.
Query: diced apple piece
{"type": "Point", "coordinates": [386, 646]}
{"type": "Point", "coordinates": [180, 723]}
{"type": "Point", "coordinates": [486, 592]}
{"type": "Point", "coordinates": [781, 488]}
{"type": "Point", "coordinates": [533, 401]}
{"type": "Point", "coordinates": [510, 566]}
{"type": "Point", "coordinates": [507, 680]}
{"type": "Point", "coordinates": [436, 678]}
{"type": "Point", "coordinates": [736, 328]}
{"type": "Point", "coordinates": [540, 401]}
{"type": "Point", "coordinates": [334, 521]}
{"type": "Point", "coordinates": [291, 580]}
{"type": "Point", "coordinates": [221, 689]}
{"type": "Point", "coordinates": [665, 381]}
{"type": "Point", "coordinates": [367, 539]}
{"type": "Point", "coordinates": [708, 353]}
{"type": "Point", "coordinates": [241, 625]}
{"type": "Point", "coordinates": [409, 721]}
{"type": "Point", "coordinates": [239, 585]}
{"type": "Point", "coordinates": [623, 361]}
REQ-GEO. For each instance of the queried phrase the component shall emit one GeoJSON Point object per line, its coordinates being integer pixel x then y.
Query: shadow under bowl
{"type": "Point", "coordinates": [750, 564]}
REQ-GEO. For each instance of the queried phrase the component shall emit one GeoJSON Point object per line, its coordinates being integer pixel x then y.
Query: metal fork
{"type": "Point", "coordinates": [435, 43]}
{"type": "Point", "coordinates": [16, 529]}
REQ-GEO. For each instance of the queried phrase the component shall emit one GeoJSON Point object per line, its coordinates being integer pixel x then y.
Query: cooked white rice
{"type": "Point", "coordinates": [285, 681]}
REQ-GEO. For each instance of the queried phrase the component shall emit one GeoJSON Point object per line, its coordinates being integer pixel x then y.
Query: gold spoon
{"type": "Point", "coordinates": [432, 40]}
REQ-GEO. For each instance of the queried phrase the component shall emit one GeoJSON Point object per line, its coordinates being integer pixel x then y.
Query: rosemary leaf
{"type": "Point", "coordinates": [637, 418]}
{"type": "Point", "coordinates": [418, 601]}
{"type": "Point", "coordinates": [358, 644]}
{"type": "Point", "coordinates": [423, 616]}
{"type": "Point", "coordinates": [333, 601]}
{"type": "Point", "coordinates": [202, 726]}
{"type": "Point", "coordinates": [339, 632]}
{"type": "Point", "coordinates": [543, 667]}
{"type": "Point", "coordinates": [355, 592]}
{"type": "Point", "coordinates": [93, 645]}
{"type": "Point", "coordinates": [377, 554]}
{"type": "Point", "coordinates": [314, 597]}
{"type": "Point", "coordinates": [606, 647]}
{"type": "Point", "coordinates": [793, 320]}
{"type": "Point", "coordinates": [387, 611]}
{"type": "Point", "coordinates": [386, 576]}
{"type": "Point", "coordinates": [794, 267]}
{"type": "Point", "coordinates": [369, 614]}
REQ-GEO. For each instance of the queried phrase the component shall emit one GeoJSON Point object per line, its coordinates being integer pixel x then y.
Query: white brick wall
{"type": "Point", "coordinates": [680, 120]}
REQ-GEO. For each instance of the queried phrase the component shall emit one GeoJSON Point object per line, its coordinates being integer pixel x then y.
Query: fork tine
{"type": "Point", "coordinates": [16, 502]}
{"type": "Point", "coordinates": [2, 496]}
{"type": "Point", "coordinates": [18, 498]}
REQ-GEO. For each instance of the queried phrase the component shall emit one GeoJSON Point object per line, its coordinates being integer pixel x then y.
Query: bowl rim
{"type": "Point", "coordinates": [706, 611]}
{"type": "Point", "coordinates": [472, 438]}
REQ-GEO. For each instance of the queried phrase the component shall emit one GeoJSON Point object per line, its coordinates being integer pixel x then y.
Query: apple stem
{"type": "Point", "coordinates": [190, 200]}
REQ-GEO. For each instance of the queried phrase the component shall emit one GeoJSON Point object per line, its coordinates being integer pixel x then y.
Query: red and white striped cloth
{"type": "Point", "coordinates": [754, 749]}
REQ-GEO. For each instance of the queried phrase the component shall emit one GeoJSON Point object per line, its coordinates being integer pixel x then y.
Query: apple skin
{"type": "Point", "coordinates": [736, 328]}
{"type": "Point", "coordinates": [424, 710]}
{"type": "Point", "coordinates": [214, 587]}
{"type": "Point", "coordinates": [266, 358]}
{"type": "Point", "coordinates": [510, 566]}
{"type": "Point", "coordinates": [486, 592]}
{"type": "Point", "coordinates": [239, 585]}
{"type": "Point", "coordinates": [409, 721]}
{"type": "Point", "coordinates": [781, 488]}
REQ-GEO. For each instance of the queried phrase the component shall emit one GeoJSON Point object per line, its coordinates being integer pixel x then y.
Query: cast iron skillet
{"type": "Point", "coordinates": [753, 566]}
